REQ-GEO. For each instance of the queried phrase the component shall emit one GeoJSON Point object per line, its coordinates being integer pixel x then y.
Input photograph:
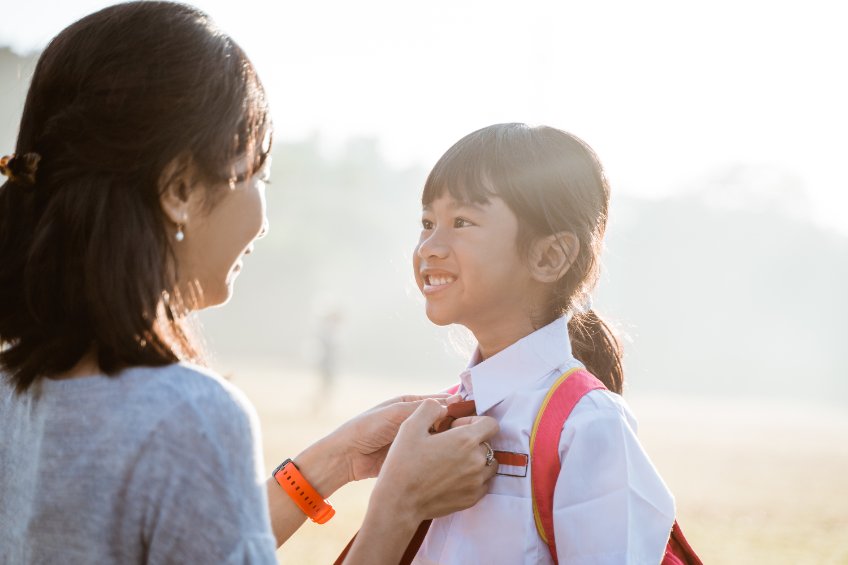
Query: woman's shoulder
{"type": "Point", "coordinates": [162, 386]}
{"type": "Point", "coordinates": [190, 405]}
{"type": "Point", "coordinates": [185, 407]}
{"type": "Point", "coordinates": [142, 400]}
{"type": "Point", "coordinates": [183, 386]}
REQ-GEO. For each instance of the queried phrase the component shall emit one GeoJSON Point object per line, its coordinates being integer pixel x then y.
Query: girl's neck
{"type": "Point", "coordinates": [492, 339]}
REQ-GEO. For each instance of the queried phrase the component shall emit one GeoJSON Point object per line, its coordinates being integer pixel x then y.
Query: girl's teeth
{"type": "Point", "coordinates": [439, 281]}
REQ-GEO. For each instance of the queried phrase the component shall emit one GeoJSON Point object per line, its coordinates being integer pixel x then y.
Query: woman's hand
{"type": "Point", "coordinates": [436, 474]}
{"type": "Point", "coordinates": [424, 476]}
{"type": "Point", "coordinates": [369, 435]}
{"type": "Point", "coordinates": [354, 451]}
{"type": "Point", "coordinates": [357, 448]}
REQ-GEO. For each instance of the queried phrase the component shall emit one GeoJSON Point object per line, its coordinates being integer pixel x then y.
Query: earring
{"type": "Point", "coordinates": [180, 235]}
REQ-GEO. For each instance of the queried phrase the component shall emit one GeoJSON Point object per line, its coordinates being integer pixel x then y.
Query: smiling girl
{"type": "Point", "coordinates": [512, 227]}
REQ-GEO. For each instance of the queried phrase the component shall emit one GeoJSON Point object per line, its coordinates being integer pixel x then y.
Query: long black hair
{"type": "Point", "coordinates": [85, 260]}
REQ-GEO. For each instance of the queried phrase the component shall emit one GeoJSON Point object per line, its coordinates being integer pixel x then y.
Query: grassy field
{"type": "Point", "coordinates": [764, 483]}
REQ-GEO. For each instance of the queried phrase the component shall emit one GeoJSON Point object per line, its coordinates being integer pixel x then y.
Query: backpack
{"type": "Point", "coordinates": [544, 453]}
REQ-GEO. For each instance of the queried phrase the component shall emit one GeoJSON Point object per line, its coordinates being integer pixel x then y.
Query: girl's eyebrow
{"type": "Point", "coordinates": [458, 204]}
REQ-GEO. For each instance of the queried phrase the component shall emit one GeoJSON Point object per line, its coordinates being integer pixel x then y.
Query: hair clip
{"type": "Point", "coordinates": [20, 168]}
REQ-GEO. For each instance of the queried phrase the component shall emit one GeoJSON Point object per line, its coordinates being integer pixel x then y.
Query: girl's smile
{"type": "Point", "coordinates": [436, 281]}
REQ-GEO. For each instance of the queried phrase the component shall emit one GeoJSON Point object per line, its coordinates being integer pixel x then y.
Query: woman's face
{"type": "Point", "coordinates": [217, 237]}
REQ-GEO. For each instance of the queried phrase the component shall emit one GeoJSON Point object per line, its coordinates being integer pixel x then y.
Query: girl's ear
{"type": "Point", "coordinates": [551, 256]}
{"type": "Point", "coordinates": [176, 194]}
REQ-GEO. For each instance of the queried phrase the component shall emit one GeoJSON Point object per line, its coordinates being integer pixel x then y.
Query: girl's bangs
{"type": "Point", "coordinates": [464, 172]}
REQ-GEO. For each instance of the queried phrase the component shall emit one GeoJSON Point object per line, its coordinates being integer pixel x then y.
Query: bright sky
{"type": "Point", "coordinates": [667, 92]}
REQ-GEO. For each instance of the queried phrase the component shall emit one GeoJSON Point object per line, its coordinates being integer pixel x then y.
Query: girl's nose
{"type": "Point", "coordinates": [433, 246]}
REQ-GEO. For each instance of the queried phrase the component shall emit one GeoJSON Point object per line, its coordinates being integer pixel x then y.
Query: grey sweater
{"type": "Point", "coordinates": [156, 465]}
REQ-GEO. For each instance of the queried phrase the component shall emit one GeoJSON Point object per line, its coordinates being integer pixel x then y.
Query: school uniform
{"type": "Point", "coordinates": [610, 504]}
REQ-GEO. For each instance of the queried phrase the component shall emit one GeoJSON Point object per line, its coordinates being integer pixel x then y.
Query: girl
{"type": "Point", "coordinates": [512, 227]}
{"type": "Point", "coordinates": [133, 198]}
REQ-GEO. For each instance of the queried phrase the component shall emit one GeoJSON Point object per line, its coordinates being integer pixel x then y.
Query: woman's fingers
{"type": "Point", "coordinates": [396, 412]}
{"type": "Point", "coordinates": [422, 419]}
{"type": "Point", "coordinates": [481, 428]}
{"type": "Point", "coordinates": [436, 474]}
{"type": "Point", "coordinates": [474, 433]}
{"type": "Point", "coordinates": [365, 439]}
{"type": "Point", "coordinates": [464, 421]}
{"type": "Point", "coordinates": [441, 397]}
{"type": "Point", "coordinates": [464, 462]}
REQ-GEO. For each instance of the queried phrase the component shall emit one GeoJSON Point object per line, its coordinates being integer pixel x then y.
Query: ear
{"type": "Point", "coordinates": [176, 193]}
{"type": "Point", "coordinates": [551, 256]}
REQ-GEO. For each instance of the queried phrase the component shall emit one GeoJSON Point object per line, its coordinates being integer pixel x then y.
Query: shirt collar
{"type": "Point", "coordinates": [527, 360]}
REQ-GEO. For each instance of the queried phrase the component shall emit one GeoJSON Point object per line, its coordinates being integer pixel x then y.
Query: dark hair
{"type": "Point", "coordinates": [553, 182]}
{"type": "Point", "coordinates": [85, 258]}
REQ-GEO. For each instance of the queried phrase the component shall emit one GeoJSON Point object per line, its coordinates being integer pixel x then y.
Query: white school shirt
{"type": "Point", "coordinates": [610, 504]}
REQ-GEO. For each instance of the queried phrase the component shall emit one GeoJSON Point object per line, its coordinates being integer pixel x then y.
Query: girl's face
{"type": "Point", "coordinates": [216, 240]}
{"type": "Point", "coordinates": [468, 267]}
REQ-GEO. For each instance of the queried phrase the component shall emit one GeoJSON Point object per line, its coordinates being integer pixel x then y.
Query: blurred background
{"type": "Point", "coordinates": [722, 128]}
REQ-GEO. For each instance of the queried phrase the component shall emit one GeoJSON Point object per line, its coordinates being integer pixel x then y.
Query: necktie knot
{"type": "Point", "coordinates": [456, 410]}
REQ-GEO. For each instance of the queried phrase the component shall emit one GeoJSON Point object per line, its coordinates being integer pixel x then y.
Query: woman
{"type": "Point", "coordinates": [133, 196]}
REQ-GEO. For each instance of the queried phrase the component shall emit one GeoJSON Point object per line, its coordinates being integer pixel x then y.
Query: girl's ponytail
{"type": "Point", "coordinates": [595, 345]}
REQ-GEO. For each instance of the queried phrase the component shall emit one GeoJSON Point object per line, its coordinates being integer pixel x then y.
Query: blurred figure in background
{"type": "Point", "coordinates": [327, 338]}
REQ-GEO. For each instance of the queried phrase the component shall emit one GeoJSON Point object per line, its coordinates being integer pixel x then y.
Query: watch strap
{"type": "Point", "coordinates": [302, 493]}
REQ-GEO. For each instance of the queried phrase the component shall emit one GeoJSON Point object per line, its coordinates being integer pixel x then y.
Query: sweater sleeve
{"type": "Point", "coordinates": [199, 485]}
{"type": "Point", "coordinates": [610, 504]}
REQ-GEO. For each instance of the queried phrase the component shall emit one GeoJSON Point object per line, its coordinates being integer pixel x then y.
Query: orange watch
{"type": "Point", "coordinates": [307, 498]}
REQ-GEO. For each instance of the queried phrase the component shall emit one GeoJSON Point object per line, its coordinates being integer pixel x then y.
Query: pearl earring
{"type": "Point", "coordinates": [180, 235]}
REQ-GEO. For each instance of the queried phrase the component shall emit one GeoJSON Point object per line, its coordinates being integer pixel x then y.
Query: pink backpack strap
{"type": "Point", "coordinates": [563, 396]}
{"type": "Point", "coordinates": [544, 445]}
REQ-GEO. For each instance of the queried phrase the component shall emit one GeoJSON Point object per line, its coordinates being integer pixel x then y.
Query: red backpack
{"type": "Point", "coordinates": [544, 453]}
